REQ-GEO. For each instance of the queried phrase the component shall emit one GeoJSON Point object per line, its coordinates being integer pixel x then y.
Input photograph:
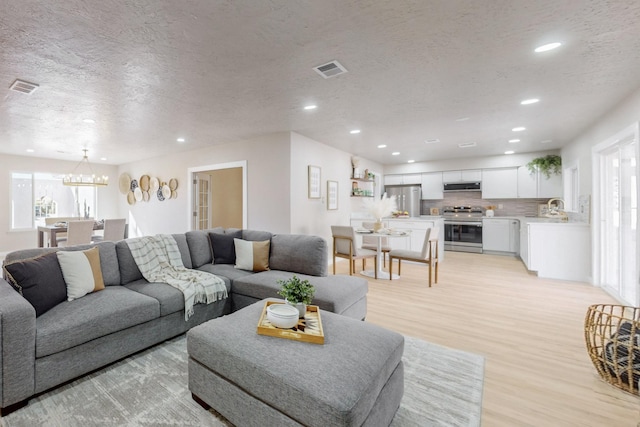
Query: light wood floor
{"type": "Point", "coordinates": [530, 331]}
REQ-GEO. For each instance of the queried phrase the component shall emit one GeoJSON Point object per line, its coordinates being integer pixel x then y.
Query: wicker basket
{"type": "Point", "coordinates": [612, 335]}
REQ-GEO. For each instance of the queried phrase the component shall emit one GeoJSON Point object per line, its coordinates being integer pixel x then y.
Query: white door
{"type": "Point", "coordinates": [201, 209]}
{"type": "Point", "coordinates": [617, 194]}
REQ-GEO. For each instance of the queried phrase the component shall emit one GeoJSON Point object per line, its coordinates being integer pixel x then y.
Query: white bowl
{"type": "Point", "coordinates": [282, 316]}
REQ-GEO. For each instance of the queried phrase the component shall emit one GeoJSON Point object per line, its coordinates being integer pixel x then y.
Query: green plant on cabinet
{"type": "Point", "coordinates": [547, 165]}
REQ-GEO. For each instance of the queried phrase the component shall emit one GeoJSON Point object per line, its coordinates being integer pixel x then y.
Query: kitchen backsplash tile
{"type": "Point", "coordinates": [510, 207]}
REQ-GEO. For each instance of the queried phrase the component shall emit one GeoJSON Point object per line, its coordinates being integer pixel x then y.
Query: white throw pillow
{"type": "Point", "coordinates": [81, 271]}
{"type": "Point", "coordinates": [251, 255]}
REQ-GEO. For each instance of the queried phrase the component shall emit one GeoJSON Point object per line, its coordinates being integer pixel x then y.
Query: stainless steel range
{"type": "Point", "coordinates": [463, 228]}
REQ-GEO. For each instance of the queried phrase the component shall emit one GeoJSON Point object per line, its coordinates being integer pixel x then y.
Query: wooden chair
{"type": "Point", "coordinates": [428, 254]}
{"type": "Point", "coordinates": [369, 242]}
{"type": "Point", "coordinates": [344, 246]}
{"type": "Point", "coordinates": [79, 232]}
{"type": "Point", "coordinates": [114, 230]}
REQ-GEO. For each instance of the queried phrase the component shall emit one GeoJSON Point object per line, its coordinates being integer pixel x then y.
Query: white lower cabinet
{"type": "Point", "coordinates": [500, 235]}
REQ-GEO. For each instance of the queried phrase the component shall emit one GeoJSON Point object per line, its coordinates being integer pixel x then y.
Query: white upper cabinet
{"type": "Point", "coordinates": [432, 186]}
{"type": "Point", "coordinates": [500, 183]}
{"type": "Point", "coordinates": [403, 179]}
{"type": "Point", "coordinates": [471, 175]}
{"type": "Point", "coordinates": [538, 186]}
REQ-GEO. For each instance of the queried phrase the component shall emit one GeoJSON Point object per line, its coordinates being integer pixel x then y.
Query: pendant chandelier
{"type": "Point", "coordinates": [83, 176]}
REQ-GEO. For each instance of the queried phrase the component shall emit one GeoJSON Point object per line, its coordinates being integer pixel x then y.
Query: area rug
{"type": "Point", "coordinates": [443, 387]}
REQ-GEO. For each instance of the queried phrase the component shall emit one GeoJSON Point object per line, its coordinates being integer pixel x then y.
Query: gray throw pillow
{"type": "Point", "coordinates": [223, 247]}
{"type": "Point", "coordinates": [39, 280]}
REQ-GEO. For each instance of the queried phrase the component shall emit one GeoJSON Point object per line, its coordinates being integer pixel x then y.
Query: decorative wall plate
{"type": "Point", "coordinates": [124, 183]}
{"type": "Point", "coordinates": [131, 198]}
{"type": "Point", "coordinates": [173, 183]}
{"type": "Point", "coordinates": [144, 182]}
{"type": "Point", "coordinates": [174, 194]}
{"type": "Point", "coordinates": [159, 194]}
{"type": "Point", "coordinates": [166, 191]}
{"type": "Point", "coordinates": [145, 196]}
{"type": "Point", "coordinates": [134, 184]}
{"type": "Point", "coordinates": [137, 193]}
{"type": "Point", "coordinates": [154, 184]}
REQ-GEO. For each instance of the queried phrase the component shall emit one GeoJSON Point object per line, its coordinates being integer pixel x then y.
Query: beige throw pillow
{"type": "Point", "coordinates": [252, 256]}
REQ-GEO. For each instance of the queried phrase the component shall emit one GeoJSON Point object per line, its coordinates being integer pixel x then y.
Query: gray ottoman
{"type": "Point", "coordinates": [355, 378]}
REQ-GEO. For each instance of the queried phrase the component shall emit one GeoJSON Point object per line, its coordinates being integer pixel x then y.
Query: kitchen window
{"type": "Point", "coordinates": [36, 196]}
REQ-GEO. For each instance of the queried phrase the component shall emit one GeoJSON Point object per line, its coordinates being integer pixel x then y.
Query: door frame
{"type": "Point", "coordinates": [229, 165]}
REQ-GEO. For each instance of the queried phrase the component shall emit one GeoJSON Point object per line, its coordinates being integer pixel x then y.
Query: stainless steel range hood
{"type": "Point", "coordinates": [462, 186]}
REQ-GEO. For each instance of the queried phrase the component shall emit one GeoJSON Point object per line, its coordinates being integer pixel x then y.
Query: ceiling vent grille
{"type": "Point", "coordinates": [330, 69]}
{"type": "Point", "coordinates": [23, 87]}
{"type": "Point", "coordinates": [467, 144]}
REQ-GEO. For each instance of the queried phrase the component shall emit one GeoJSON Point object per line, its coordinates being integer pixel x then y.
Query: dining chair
{"type": "Point", "coordinates": [370, 242]}
{"type": "Point", "coordinates": [79, 232]}
{"type": "Point", "coordinates": [114, 230]}
{"type": "Point", "coordinates": [344, 246]}
{"type": "Point", "coordinates": [428, 254]}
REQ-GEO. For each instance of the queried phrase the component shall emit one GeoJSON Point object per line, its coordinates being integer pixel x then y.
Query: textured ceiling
{"type": "Point", "coordinates": [213, 72]}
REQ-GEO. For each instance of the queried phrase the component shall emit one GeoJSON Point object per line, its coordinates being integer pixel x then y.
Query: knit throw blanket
{"type": "Point", "coordinates": [159, 261]}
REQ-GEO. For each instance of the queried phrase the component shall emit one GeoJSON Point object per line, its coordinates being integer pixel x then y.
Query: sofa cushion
{"type": "Point", "coordinates": [108, 258]}
{"type": "Point", "coordinates": [223, 248]}
{"type": "Point", "coordinates": [181, 240]}
{"type": "Point", "coordinates": [226, 272]}
{"type": "Point", "coordinates": [200, 246]}
{"type": "Point", "coordinates": [299, 253]}
{"type": "Point", "coordinates": [333, 293]}
{"type": "Point", "coordinates": [171, 299]}
{"type": "Point", "coordinates": [252, 255]}
{"type": "Point", "coordinates": [129, 270]}
{"type": "Point", "coordinates": [39, 280]}
{"type": "Point", "coordinates": [81, 272]}
{"type": "Point", "coordinates": [69, 324]}
{"type": "Point", "coordinates": [256, 236]}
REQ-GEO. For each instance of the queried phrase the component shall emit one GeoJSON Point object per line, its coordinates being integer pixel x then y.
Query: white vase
{"type": "Point", "coordinates": [377, 226]}
{"type": "Point", "coordinates": [302, 307]}
{"type": "Point", "coordinates": [489, 213]}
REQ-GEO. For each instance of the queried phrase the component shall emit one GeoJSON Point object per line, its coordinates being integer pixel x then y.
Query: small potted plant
{"type": "Point", "coordinates": [546, 165]}
{"type": "Point", "coordinates": [298, 293]}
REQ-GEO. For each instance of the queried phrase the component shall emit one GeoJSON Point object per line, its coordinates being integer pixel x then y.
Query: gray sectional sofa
{"type": "Point", "coordinates": [131, 314]}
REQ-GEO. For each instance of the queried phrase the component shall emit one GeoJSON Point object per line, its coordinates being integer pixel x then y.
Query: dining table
{"type": "Point", "coordinates": [379, 235]}
{"type": "Point", "coordinates": [53, 230]}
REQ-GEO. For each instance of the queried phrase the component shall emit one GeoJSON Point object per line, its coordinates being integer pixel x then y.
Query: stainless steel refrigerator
{"type": "Point", "coordinates": [407, 197]}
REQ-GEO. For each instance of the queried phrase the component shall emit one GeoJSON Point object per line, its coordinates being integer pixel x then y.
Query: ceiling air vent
{"type": "Point", "coordinates": [467, 144]}
{"type": "Point", "coordinates": [23, 87]}
{"type": "Point", "coordinates": [330, 69]}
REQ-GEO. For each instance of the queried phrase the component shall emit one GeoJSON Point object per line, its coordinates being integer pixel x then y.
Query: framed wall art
{"type": "Point", "coordinates": [314, 182]}
{"type": "Point", "coordinates": [332, 195]}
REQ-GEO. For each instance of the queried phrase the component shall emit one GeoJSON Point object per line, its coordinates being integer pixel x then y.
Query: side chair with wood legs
{"type": "Point", "coordinates": [344, 246]}
{"type": "Point", "coordinates": [428, 255]}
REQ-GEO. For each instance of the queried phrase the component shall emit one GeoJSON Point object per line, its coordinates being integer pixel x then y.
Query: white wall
{"type": "Point", "coordinates": [622, 116]}
{"type": "Point", "coordinates": [13, 240]}
{"type": "Point", "coordinates": [268, 185]}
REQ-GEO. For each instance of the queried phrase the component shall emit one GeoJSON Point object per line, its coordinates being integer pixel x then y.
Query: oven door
{"type": "Point", "coordinates": [464, 236]}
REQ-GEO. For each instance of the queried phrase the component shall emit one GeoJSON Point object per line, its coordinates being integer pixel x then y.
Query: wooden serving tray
{"type": "Point", "coordinates": [308, 329]}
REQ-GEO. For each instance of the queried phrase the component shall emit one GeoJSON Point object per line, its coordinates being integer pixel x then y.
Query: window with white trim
{"type": "Point", "coordinates": [36, 196]}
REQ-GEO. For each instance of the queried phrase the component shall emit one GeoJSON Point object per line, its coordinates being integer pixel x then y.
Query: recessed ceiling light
{"type": "Point", "coordinates": [509, 152]}
{"type": "Point", "coordinates": [529, 101]}
{"type": "Point", "coordinates": [382, 146]}
{"type": "Point", "coordinates": [180, 139]}
{"type": "Point", "coordinates": [546, 141]}
{"type": "Point", "coordinates": [467, 144]}
{"type": "Point", "coordinates": [411, 161]}
{"type": "Point", "coordinates": [395, 153]}
{"type": "Point", "coordinates": [310, 107]}
{"type": "Point", "coordinates": [355, 131]}
{"type": "Point", "coordinates": [462, 119]}
{"type": "Point", "coordinates": [103, 158]}
{"type": "Point", "coordinates": [30, 150]}
{"type": "Point", "coordinates": [513, 141]}
{"type": "Point", "coordinates": [546, 47]}
{"type": "Point", "coordinates": [88, 120]}
{"type": "Point", "coordinates": [432, 141]}
{"type": "Point", "coordinates": [519, 129]}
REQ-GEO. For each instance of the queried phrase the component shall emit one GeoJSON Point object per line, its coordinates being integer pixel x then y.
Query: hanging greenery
{"type": "Point", "coordinates": [547, 165]}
